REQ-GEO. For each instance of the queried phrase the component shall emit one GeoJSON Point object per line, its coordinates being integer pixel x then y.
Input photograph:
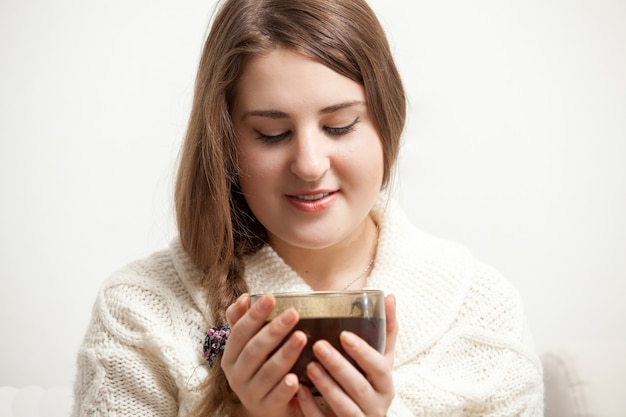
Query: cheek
{"type": "Point", "coordinates": [257, 171]}
{"type": "Point", "coordinates": [367, 157]}
{"type": "Point", "coordinates": [248, 157]}
{"type": "Point", "coordinates": [246, 170]}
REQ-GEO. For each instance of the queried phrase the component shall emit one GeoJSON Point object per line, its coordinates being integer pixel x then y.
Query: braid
{"type": "Point", "coordinates": [223, 290]}
{"type": "Point", "coordinates": [219, 399]}
{"type": "Point", "coordinates": [226, 289]}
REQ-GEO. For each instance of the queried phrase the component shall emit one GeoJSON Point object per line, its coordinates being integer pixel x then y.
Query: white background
{"type": "Point", "coordinates": [515, 147]}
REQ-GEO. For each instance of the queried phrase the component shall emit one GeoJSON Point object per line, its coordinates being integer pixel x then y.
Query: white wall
{"type": "Point", "coordinates": [515, 147]}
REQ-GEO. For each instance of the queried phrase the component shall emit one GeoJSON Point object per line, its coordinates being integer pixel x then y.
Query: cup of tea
{"type": "Point", "coordinates": [325, 314]}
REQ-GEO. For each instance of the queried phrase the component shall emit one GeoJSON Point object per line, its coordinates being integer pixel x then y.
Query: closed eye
{"type": "Point", "coordinates": [334, 131]}
{"type": "Point", "coordinates": [342, 130]}
{"type": "Point", "coordinates": [272, 138]}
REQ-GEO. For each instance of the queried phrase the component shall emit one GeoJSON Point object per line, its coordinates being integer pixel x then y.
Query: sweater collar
{"type": "Point", "coordinates": [267, 272]}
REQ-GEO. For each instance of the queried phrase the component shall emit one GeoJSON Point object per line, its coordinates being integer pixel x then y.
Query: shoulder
{"type": "Point", "coordinates": [440, 284]}
{"type": "Point", "coordinates": [144, 337]}
{"type": "Point", "coordinates": [491, 308]}
{"type": "Point", "coordinates": [149, 296]}
{"type": "Point", "coordinates": [462, 324]}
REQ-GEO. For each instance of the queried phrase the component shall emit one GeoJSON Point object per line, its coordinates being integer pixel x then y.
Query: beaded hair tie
{"type": "Point", "coordinates": [215, 342]}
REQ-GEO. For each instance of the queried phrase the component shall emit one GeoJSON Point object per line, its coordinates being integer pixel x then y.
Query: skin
{"type": "Point", "coordinates": [311, 170]}
{"type": "Point", "coordinates": [311, 164]}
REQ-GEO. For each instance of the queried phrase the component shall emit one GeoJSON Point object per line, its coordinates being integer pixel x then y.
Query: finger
{"type": "Point", "coordinates": [340, 370]}
{"type": "Point", "coordinates": [236, 310]}
{"type": "Point", "coordinates": [307, 402]}
{"type": "Point", "coordinates": [253, 367]}
{"type": "Point", "coordinates": [377, 369]}
{"type": "Point", "coordinates": [347, 375]}
{"type": "Point", "coordinates": [283, 392]}
{"type": "Point", "coordinates": [391, 328]}
{"type": "Point", "coordinates": [248, 325]}
{"type": "Point", "coordinates": [274, 373]}
{"type": "Point", "coordinates": [333, 394]}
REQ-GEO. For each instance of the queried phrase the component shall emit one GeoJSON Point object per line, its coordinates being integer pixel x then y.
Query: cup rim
{"type": "Point", "coordinates": [328, 293]}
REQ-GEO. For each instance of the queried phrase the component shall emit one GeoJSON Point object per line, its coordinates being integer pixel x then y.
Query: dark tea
{"type": "Point", "coordinates": [372, 330]}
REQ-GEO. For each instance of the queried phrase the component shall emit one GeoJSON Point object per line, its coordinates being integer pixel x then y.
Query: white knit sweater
{"type": "Point", "coordinates": [463, 347]}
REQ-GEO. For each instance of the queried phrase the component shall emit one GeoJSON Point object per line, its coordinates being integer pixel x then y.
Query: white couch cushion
{"type": "Point", "coordinates": [585, 380]}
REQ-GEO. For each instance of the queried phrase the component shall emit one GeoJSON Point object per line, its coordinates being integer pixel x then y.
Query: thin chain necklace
{"type": "Point", "coordinates": [361, 275]}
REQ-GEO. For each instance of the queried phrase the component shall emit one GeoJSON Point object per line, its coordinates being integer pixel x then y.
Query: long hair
{"type": "Point", "coordinates": [216, 226]}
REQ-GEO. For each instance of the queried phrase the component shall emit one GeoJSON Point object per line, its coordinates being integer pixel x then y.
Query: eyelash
{"type": "Point", "coordinates": [334, 131]}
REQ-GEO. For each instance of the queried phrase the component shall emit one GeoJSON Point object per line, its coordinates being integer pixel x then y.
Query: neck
{"type": "Point", "coordinates": [347, 263]}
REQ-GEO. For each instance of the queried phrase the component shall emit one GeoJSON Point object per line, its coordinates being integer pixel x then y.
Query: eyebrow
{"type": "Point", "coordinates": [341, 106]}
{"type": "Point", "coordinates": [278, 114]}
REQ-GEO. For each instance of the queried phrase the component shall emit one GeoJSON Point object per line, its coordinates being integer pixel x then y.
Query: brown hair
{"type": "Point", "coordinates": [216, 227]}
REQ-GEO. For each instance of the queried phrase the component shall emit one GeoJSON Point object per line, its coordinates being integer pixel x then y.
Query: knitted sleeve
{"type": "Point", "coordinates": [137, 359]}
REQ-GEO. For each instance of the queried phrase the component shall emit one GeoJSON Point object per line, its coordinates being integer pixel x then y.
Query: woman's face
{"type": "Point", "coordinates": [310, 157]}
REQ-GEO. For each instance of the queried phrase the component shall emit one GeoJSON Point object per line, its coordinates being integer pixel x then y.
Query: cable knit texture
{"type": "Point", "coordinates": [463, 347]}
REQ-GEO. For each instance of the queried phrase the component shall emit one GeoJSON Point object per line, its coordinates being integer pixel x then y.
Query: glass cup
{"type": "Point", "coordinates": [325, 314]}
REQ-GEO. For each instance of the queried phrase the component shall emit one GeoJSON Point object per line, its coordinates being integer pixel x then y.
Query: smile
{"type": "Point", "coordinates": [313, 202]}
{"type": "Point", "coordinates": [311, 197]}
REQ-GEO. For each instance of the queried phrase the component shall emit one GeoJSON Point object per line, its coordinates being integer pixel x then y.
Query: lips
{"type": "Point", "coordinates": [310, 197]}
{"type": "Point", "coordinates": [312, 201]}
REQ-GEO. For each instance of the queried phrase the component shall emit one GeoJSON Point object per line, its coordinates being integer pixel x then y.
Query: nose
{"type": "Point", "coordinates": [310, 159]}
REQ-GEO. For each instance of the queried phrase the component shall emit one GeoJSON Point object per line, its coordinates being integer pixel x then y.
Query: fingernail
{"type": "Point", "coordinates": [264, 304]}
{"type": "Point", "coordinates": [313, 369]}
{"type": "Point", "coordinates": [287, 319]}
{"type": "Point", "coordinates": [291, 380]}
{"type": "Point", "coordinates": [322, 350]}
{"type": "Point", "coordinates": [243, 299]}
{"type": "Point", "coordinates": [297, 339]}
{"type": "Point", "coordinates": [349, 338]}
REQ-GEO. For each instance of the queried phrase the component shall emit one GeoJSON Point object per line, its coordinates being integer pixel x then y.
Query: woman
{"type": "Point", "coordinates": [293, 135]}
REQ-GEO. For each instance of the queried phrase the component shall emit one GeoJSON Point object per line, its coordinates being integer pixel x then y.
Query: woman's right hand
{"type": "Point", "coordinates": [262, 382]}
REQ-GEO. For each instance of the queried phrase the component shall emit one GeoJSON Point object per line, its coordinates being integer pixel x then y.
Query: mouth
{"type": "Point", "coordinates": [313, 201]}
{"type": "Point", "coordinates": [310, 197]}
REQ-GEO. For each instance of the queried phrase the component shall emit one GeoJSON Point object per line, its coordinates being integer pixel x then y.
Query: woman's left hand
{"type": "Point", "coordinates": [346, 390]}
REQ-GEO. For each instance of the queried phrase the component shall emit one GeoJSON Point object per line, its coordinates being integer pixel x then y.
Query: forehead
{"type": "Point", "coordinates": [289, 79]}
